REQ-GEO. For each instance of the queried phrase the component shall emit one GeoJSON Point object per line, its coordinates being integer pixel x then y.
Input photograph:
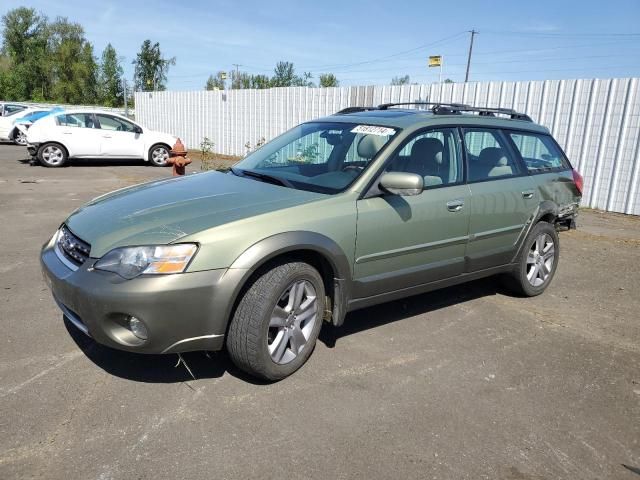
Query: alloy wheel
{"type": "Point", "coordinates": [159, 156]}
{"type": "Point", "coordinates": [53, 155]}
{"type": "Point", "coordinates": [540, 259]}
{"type": "Point", "coordinates": [21, 138]}
{"type": "Point", "coordinates": [292, 321]}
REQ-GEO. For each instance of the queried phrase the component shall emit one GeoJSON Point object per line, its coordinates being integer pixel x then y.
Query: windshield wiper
{"type": "Point", "coordinates": [262, 176]}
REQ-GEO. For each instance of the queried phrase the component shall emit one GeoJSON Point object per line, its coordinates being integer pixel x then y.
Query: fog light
{"type": "Point", "coordinates": [137, 328]}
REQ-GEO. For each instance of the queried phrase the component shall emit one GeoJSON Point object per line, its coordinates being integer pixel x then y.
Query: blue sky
{"type": "Point", "coordinates": [368, 42]}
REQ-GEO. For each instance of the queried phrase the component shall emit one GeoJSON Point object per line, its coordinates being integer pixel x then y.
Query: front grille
{"type": "Point", "coordinates": [74, 249]}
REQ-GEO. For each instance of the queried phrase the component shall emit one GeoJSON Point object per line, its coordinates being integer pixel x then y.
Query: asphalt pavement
{"type": "Point", "coordinates": [466, 382]}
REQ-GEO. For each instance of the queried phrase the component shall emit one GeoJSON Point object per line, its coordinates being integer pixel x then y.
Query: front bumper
{"type": "Point", "coordinates": [32, 148]}
{"type": "Point", "coordinates": [182, 312]}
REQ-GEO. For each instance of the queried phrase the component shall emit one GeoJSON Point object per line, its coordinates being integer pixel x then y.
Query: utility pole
{"type": "Point", "coordinates": [473, 34]}
{"type": "Point", "coordinates": [237, 65]}
{"type": "Point", "coordinates": [124, 90]}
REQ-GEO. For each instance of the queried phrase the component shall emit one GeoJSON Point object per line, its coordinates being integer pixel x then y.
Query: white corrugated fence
{"type": "Point", "coordinates": [596, 121]}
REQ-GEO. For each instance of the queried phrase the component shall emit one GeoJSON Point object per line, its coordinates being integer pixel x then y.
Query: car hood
{"type": "Point", "coordinates": [166, 210]}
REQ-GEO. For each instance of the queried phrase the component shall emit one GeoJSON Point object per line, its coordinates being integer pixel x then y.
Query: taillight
{"type": "Point", "coordinates": [578, 180]}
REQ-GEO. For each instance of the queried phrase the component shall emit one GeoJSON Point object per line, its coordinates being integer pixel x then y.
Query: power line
{"type": "Point", "coordinates": [414, 68]}
{"type": "Point", "coordinates": [449, 55]}
{"type": "Point", "coordinates": [598, 67]}
{"type": "Point", "coordinates": [335, 66]}
{"type": "Point", "coordinates": [562, 34]}
{"type": "Point", "coordinates": [559, 47]}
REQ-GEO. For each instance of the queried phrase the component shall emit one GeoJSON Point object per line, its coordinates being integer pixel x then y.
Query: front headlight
{"type": "Point", "coordinates": [129, 262]}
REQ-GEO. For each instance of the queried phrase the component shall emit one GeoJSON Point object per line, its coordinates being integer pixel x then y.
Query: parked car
{"type": "Point", "coordinates": [7, 108]}
{"type": "Point", "coordinates": [22, 124]}
{"type": "Point", "coordinates": [340, 213]}
{"type": "Point", "coordinates": [95, 134]}
{"type": "Point", "coordinates": [8, 130]}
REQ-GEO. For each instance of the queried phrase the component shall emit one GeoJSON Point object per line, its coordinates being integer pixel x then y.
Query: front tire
{"type": "Point", "coordinates": [158, 155]}
{"type": "Point", "coordinates": [52, 155]}
{"type": "Point", "coordinates": [537, 261]}
{"type": "Point", "coordinates": [276, 324]}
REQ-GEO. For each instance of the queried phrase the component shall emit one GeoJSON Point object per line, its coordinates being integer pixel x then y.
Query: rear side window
{"type": "Point", "coordinates": [81, 120]}
{"type": "Point", "coordinates": [539, 152]}
{"type": "Point", "coordinates": [488, 155]}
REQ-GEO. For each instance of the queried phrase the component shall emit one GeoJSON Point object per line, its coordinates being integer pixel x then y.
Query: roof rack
{"type": "Point", "coordinates": [492, 112]}
{"type": "Point", "coordinates": [385, 106]}
{"type": "Point", "coordinates": [347, 110]}
{"type": "Point", "coordinates": [440, 108]}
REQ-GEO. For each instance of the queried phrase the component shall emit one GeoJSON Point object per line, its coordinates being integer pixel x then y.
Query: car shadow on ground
{"type": "Point", "coordinates": [166, 368]}
{"type": "Point", "coordinates": [379, 315]}
{"type": "Point", "coordinates": [87, 162]}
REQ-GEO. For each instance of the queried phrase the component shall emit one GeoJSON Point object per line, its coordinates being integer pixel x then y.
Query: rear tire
{"type": "Point", "coordinates": [20, 138]}
{"type": "Point", "coordinates": [536, 263]}
{"type": "Point", "coordinates": [276, 324]}
{"type": "Point", "coordinates": [158, 155]}
{"type": "Point", "coordinates": [52, 155]}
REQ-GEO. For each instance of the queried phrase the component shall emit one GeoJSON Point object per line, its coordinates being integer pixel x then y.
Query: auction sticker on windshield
{"type": "Point", "coordinates": [373, 130]}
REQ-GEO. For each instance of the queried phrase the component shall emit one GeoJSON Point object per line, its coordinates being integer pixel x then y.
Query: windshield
{"type": "Point", "coordinates": [322, 157]}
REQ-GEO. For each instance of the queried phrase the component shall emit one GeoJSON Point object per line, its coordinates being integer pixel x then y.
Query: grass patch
{"type": "Point", "coordinates": [214, 161]}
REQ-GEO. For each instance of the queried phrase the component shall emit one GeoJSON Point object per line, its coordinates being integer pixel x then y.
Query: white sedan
{"type": "Point", "coordinates": [94, 134]}
{"type": "Point", "coordinates": [8, 129]}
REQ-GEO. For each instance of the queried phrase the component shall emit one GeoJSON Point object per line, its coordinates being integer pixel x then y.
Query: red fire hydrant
{"type": "Point", "coordinates": [178, 158]}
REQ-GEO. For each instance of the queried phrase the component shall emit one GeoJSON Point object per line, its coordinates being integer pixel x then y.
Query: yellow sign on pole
{"type": "Point", "coordinates": [435, 61]}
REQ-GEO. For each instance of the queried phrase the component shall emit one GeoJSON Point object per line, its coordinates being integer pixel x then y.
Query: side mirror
{"type": "Point", "coordinates": [402, 183]}
{"type": "Point", "coordinates": [137, 129]}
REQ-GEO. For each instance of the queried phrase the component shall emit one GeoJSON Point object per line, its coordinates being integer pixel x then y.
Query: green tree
{"type": "Point", "coordinates": [216, 82]}
{"type": "Point", "coordinates": [71, 64]}
{"type": "Point", "coordinates": [151, 67]}
{"type": "Point", "coordinates": [304, 80]}
{"type": "Point", "coordinates": [240, 80]}
{"type": "Point", "coordinates": [401, 80]}
{"type": "Point", "coordinates": [24, 43]}
{"type": "Point", "coordinates": [283, 75]}
{"type": "Point", "coordinates": [260, 81]}
{"type": "Point", "coordinates": [110, 78]}
{"type": "Point", "coordinates": [447, 80]}
{"type": "Point", "coordinates": [328, 80]}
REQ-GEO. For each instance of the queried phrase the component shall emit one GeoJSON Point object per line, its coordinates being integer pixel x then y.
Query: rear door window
{"type": "Point", "coordinates": [539, 152]}
{"type": "Point", "coordinates": [489, 156]}
{"type": "Point", "coordinates": [107, 122]}
{"type": "Point", "coordinates": [80, 120]}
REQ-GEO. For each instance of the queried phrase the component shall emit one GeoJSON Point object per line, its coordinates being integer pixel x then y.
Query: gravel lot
{"type": "Point", "coordinates": [466, 382]}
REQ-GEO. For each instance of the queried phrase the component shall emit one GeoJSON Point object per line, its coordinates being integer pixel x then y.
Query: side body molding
{"type": "Point", "coordinates": [264, 250]}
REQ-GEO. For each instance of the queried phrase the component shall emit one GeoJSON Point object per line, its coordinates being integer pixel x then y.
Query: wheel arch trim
{"type": "Point", "coordinates": [546, 207]}
{"type": "Point", "coordinates": [257, 255]}
{"type": "Point", "coordinates": [282, 243]}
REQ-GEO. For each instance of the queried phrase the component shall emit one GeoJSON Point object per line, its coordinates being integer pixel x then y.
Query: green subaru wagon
{"type": "Point", "coordinates": [348, 211]}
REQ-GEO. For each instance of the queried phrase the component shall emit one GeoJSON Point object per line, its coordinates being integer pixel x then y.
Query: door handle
{"type": "Point", "coordinates": [528, 194]}
{"type": "Point", "coordinates": [455, 205]}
